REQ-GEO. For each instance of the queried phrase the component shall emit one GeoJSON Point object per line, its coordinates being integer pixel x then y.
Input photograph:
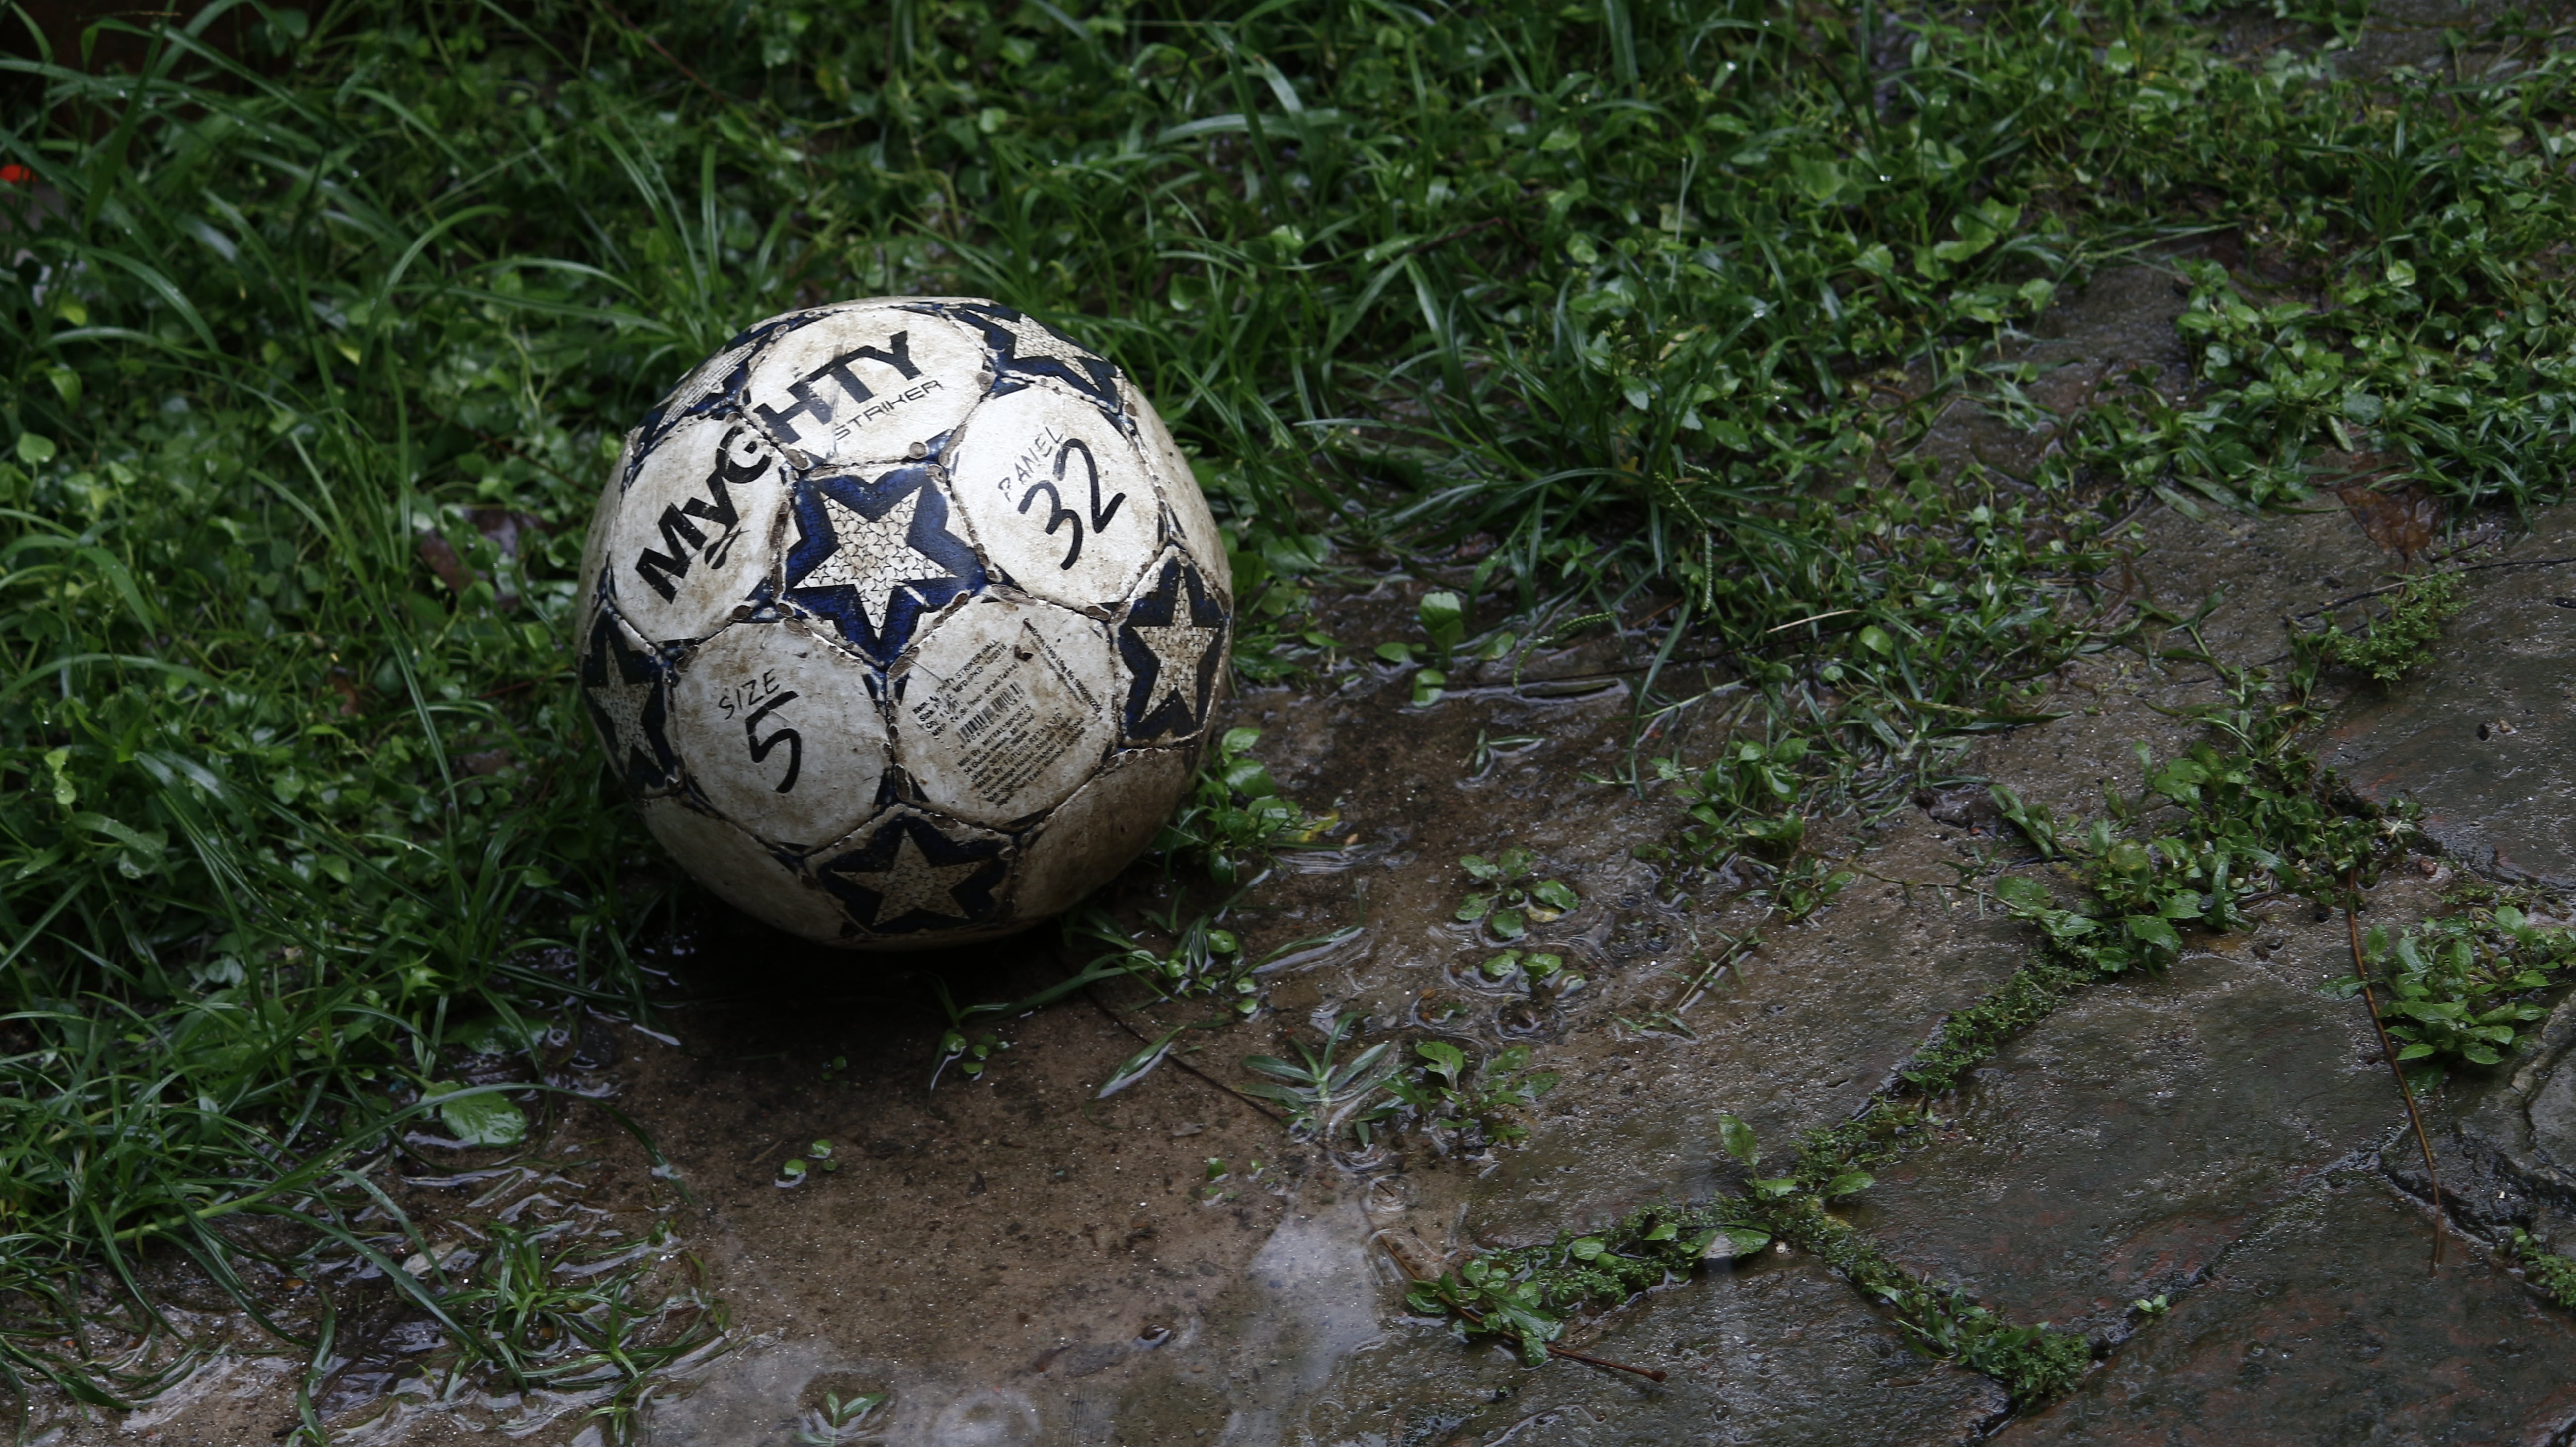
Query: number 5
{"type": "Point", "coordinates": [761, 747]}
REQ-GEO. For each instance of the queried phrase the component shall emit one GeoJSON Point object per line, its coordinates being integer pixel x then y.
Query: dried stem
{"type": "Point", "coordinates": [1649, 1373]}
{"type": "Point", "coordinates": [2388, 1052]}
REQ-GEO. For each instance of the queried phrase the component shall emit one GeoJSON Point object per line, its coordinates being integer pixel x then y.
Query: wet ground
{"type": "Point", "coordinates": [1013, 1260]}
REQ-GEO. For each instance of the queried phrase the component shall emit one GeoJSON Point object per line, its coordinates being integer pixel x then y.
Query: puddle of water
{"type": "Point", "coordinates": [1014, 1260]}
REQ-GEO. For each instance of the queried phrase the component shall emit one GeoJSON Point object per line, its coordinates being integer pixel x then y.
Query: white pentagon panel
{"type": "Point", "coordinates": [694, 531]}
{"type": "Point", "coordinates": [1171, 640]}
{"type": "Point", "coordinates": [1008, 707]}
{"type": "Point", "coordinates": [913, 876]}
{"type": "Point", "coordinates": [1057, 496]}
{"type": "Point", "coordinates": [1179, 486]}
{"type": "Point", "coordinates": [712, 375]}
{"type": "Point", "coordinates": [1091, 836]}
{"type": "Point", "coordinates": [779, 733]}
{"type": "Point", "coordinates": [625, 690]}
{"type": "Point", "coordinates": [867, 384]}
{"type": "Point", "coordinates": [742, 872]}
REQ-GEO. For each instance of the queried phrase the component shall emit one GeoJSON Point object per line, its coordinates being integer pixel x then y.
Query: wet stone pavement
{"type": "Point", "coordinates": [1016, 1261]}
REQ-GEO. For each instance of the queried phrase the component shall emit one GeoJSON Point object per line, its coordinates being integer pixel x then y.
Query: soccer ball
{"type": "Point", "coordinates": [902, 620]}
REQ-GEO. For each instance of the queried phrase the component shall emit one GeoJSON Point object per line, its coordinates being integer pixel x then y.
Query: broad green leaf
{"type": "Point", "coordinates": [2155, 931]}
{"type": "Point", "coordinates": [1730, 1242]}
{"type": "Point", "coordinates": [2022, 894]}
{"type": "Point", "coordinates": [1444, 617]}
{"type": "Point", "coordinates": [1849, 1182]}
{"type": "Point", "coordinates": [1447, 1060]}
{"type": "Point", "coordinates": [488, 1119]}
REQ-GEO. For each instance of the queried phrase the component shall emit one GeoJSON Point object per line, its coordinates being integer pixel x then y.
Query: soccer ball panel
{"type": "Point", "coordinates": [603, 521]}
{"type": "Point", "coordinates": [1057, 495]}
{"type": "Point", "coordinates": [913, 874]}
{"type": "Point", "coordinates": [874, 555]}
{"type": "Point", "coordinates": [778, 731]}
{"type": "Point", "coordinates": [869, 384]}
{"type": "Point", "coordinates": [1180, 490]}
{"type": "Point", "coordinates": [903, 618]}
{"type": "Point", "coordinates": [1006, 709]}
{"type": "Point", "coordinates": [742, 872]}
{"type": "Point", "coordinates": [692, 536]}
{"type": "Point", "coordinates": [1029, 353]}
{"type": "Point", "coordinates": [625, 685]}
{"type": "Point", "coordinates": [1107, 822]}
{"type": "Point", "coordinates": [1171, 642]}
{"type": "Point", "coordinates": [717, 382]}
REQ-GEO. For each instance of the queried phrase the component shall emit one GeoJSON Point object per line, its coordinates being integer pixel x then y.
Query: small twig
{"type": "Point", "coordinates": [1443, 239]}
{"type": "Point", "coordinates": [1818, 618]}
{"type": "Point", "coordinates": [1569, 1353]}
{"type": "Point", "coordinates": [2388, 1052]}
{"type": "Point", "coordinates": [1477, 1321]}
{"type": "Point", "coordinates": [1649, 1373]}
{"type": "Point", "coordinates": [639, 33]}
{"type": "Point", "coordinates": [1174, 1059]}
{"type": "Point", "coordinates": [2463, 568]}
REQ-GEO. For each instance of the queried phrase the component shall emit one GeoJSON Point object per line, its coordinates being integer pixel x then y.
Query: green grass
{"type": "Point", "coordinates": [1656, 298]}
{"type": "Point", "coordinates": [2399, 642]}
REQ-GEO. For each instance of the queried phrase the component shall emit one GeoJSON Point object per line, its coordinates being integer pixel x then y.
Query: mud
{"type": "Point", "coordinates": [1014, 1260]}
{"type": "Point", "coordinates": [2117, 1149]}
{"type": "Point", "coordinates": [2480, 736]}
{"type": "Point", "coordinates": [2326, 1326]}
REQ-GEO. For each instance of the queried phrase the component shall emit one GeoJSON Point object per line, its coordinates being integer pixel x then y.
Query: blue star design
{"type": "Point", "coordinates": [1150, 641]}
{"type": "Point", "coordinates": [1025, 347]}
{"type": "Point", "coordinates": [873, 555]}
{"type": "Point", "coordinates": [623, 688]}
{"type": "Point", "coordinates": [929, 879]}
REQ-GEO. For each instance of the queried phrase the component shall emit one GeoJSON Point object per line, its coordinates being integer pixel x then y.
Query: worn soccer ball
{"type": "Point", "coordinates": [902, 621]}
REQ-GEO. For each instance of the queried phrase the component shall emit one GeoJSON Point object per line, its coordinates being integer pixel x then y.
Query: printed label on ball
{"type": "Point", "coordinates": [909, 873]}
{"type": "Point", "coordinates": [1171, 646]}
{"type": "Point", "coordinates": [871, 384]}
{"type": "Point", "coordinates": [743, 872]}
{"type": "Point", "coordinates": [1057, 495]}
{"type": "Point", "coordinates": [692, 538]}
{"type": "Point", "coordinates": [1187, 505]}
{"type": "Point", "coordinates": [1006, 710]}
{"type": "Point", "coordinates": [715, 383]}
{"type": "Point", "coordinates": [779, 732]}
{"type": "Point", "coordinates": [623, 682]}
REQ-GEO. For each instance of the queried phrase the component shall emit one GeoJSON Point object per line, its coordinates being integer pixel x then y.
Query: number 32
{"type": "Point", "coordinates": [1060, 515]}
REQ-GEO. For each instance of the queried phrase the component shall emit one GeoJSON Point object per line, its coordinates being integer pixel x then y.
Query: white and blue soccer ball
{"type": "Point", "coordinates": [902, 621]}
